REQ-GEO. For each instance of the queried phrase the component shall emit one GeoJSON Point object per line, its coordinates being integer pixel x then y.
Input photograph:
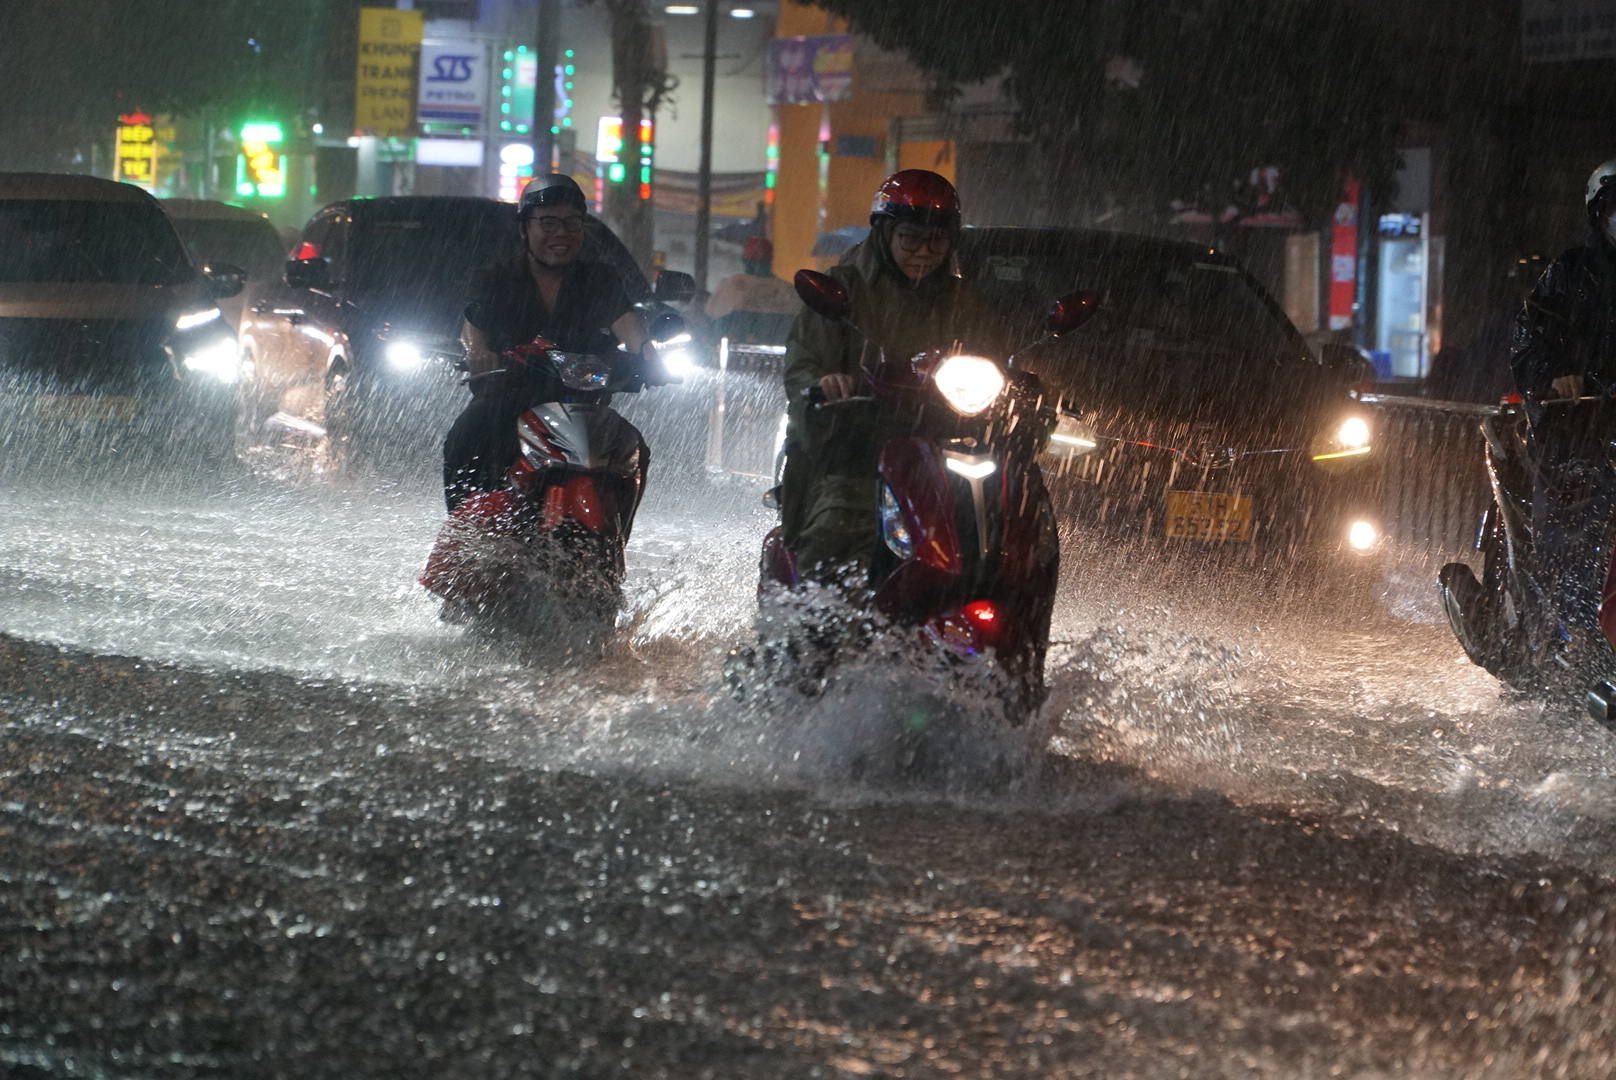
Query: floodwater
{"type": "Point", "coordinates": [261, 813]}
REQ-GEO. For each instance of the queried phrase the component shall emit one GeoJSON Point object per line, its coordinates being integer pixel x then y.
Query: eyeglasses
{"type": "Point", "coordinates": [551, 224]}
{"type": "Point", "coordinates": [912, 242]}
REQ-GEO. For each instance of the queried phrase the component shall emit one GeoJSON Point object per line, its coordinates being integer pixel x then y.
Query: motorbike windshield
{"type": "Point", "coordinates": [582, 371]}
{"type": "Point", "coordinates": [83, 242]}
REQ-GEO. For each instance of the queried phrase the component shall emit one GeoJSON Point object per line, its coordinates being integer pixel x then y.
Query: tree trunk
{"type": "Point", "coordinates": [639, 80]}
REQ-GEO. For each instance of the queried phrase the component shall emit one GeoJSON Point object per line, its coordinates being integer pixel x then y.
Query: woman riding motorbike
{"type": "Point", "coordinates": [907, 297]}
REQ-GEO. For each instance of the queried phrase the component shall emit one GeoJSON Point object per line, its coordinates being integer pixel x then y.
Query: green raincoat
{"type": "Point", "coordinates": [828, 493]}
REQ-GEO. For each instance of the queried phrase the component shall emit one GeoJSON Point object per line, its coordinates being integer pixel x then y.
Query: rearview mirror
{"type": "Point", "coordinates": [666, 326]}
{"type": "Point", "coordinates": [312, 273]}
{"type": "Point", "coordinates": [1070, 312]}
{"type": "Point", "coordinates": [224, 280]}
{"type": "Point", "coordinates": [822, 294]}
{"type": "Point", "coordinates": [673, 287]}
{"type": "Point", "coordinates": [1346, 363]}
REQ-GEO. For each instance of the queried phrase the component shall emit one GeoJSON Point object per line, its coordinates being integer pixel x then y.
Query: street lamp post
{"type": "Point", "coordinates": [544, 94]}
{"type": "Point", "coordinates": [704, 180]}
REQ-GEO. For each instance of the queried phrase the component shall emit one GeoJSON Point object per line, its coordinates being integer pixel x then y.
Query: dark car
{"type": "Point", "coordinates": [1213, 426]}
{"type": "Point", "coordinates": [349, 348]}
{"type": "Point", "coordinates": [216, 232]}
{"type": "Point", "coordinates": [111, 339]}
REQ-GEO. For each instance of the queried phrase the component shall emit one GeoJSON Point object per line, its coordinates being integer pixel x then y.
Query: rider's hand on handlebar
{"type": "Point", "coordinates": [838, 386]}
{"type": "Point", "coordinates": [1566, 386]}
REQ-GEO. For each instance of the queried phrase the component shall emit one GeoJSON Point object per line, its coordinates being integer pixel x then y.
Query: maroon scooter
{"type": "Point", "coordinates": [967, 550]}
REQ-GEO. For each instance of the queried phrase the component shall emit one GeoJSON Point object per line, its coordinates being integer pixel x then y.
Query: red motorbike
{"type": "Point", "coordinates": [544, 553]}
{"type": "Point", "coordinates": [967, 549]}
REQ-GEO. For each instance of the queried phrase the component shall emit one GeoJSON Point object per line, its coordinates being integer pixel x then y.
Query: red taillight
{"type": "Point", "coordinates": [985, 616]}
{"type": "Point", "coordinates": [1513, 399]}
{"type": "Point", "coordinates": [306, 250]}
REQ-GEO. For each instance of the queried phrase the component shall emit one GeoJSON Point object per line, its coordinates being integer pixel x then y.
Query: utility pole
{"type": "Point", "coordinates": [704, 180]}
{"type": "Point", "coordinates": [548, 52]}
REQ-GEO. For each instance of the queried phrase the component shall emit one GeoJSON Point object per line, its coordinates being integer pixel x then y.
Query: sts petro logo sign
{"type": "Point", "coordinates": [454, 83]}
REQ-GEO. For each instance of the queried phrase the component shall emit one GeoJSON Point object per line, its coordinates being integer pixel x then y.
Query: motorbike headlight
{"type": "Point", "coordinates": [197, 318]}
{"type": "Point", "coordinates": [1349, 438]}
{"type": "Point", "coordinates": [969, 383]}
{"type": "Point", "coordinates": [1071, 438]}
{"type": "Point", "coordinates": [218, 359]}
{"type": "Point", "coordinates": [677, 360]}
{"type": "Point", "coordinates": [405, 356]}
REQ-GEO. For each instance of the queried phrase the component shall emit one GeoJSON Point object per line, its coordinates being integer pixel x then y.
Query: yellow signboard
{"type": "Point", "coordinates": [136, 151]}
{"type": "Point", "coordinates": [389, 53]}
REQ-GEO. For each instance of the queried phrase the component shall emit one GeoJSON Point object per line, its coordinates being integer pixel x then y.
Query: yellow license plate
{"type": "Point", "coordinates": [85, 407]}
{"type": "Point", "coordinates": [1202, 515]}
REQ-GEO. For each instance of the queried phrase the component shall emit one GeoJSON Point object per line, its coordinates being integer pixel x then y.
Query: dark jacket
{"type": "Point", "coordinates": [1568, 323]}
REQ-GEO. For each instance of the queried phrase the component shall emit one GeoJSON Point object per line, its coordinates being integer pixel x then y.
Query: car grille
{"type": "Point", "coordinates": [85, 354]}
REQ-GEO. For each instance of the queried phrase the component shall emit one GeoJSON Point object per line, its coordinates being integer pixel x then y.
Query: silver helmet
{"type": "Point", "coordinates": [1601, 181]}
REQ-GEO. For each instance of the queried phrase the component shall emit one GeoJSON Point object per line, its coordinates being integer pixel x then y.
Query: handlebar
{"type": "Point", "coordinates": [816, 399]}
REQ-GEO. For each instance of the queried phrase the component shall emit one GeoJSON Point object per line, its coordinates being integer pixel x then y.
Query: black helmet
{"type": "Point", "coordinates": [556, 189]}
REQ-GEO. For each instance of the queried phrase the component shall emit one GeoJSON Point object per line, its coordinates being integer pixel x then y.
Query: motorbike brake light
{"type": "Point", "coordinates": [986, 616]}
{"type": "Point", "coordinates": [1513, 399]}
{"type": "Point", "coordinates": [306, 250]}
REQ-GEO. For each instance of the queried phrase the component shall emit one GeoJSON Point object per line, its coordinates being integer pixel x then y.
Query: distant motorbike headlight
{"type": "Point", "coordinates": [197, 318]}
{"type": "Point", "coordinates": [969, 383]}
{"type": "Point", "coordinates": [677, 361]}
{"type": "Point", "coordinates": [1072, 438]}
{"type": "Point", "coordinates": [1349, 438]}
{"type": "Point", "coordinates": [405, 356]}
{"type": "Point", "coordinates": [218, 359]}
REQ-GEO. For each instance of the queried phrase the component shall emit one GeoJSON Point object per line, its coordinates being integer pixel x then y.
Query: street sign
{"type": "Point", "coordinates": [1568, 30]}
{"type": "Point", "coordinates": [136, 151]}
{"type": "Point", "coordinates": [454, 83]}
{"type": "Point", "coordinates": [389, 46]}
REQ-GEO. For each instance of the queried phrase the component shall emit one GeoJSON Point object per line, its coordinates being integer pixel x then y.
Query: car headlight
{"type": "Point", "coordinates": [197, 318]}
{"type": "Point", "coordinates": [1362, 536]}
{"type": "Point", "coordinates": [1071, 438]}
{"type": "Point", "coordinates": [218, 359]}
{"type": "Point", "coordinates": [969, 383]}
{"type": "Point", "coordinates": [1350, 438]}
{"type": "Point", "coordinates": [404, 356]}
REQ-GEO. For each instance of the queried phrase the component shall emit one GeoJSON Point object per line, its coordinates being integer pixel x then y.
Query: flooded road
{"type": "Point", "coordinates": [262, 814]}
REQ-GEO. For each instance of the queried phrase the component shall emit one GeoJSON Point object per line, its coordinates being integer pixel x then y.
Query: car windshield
{"type": "Point", "coordinates": [251, 245]}
{"type": "Point", "coordinates": [1154, 297]}
{"type": "Point", "coordinates": [59, 241]}
{"type": "Point", "coordinates": [429, 250]}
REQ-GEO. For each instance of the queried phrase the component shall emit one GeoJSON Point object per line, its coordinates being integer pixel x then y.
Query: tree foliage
{"type": "Point", "coordinates": [1140, 104]}
{"type": "Point", "coordinates": [67, 64]}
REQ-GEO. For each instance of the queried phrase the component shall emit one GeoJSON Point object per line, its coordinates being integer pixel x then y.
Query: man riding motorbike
{"type": "Point", "coordinates": [547, 291]}
{"type": "Point", "coordinates": [1565, 347]}
{"type": "Point", "coordinates": [1535, 613]}
{"type": "Point", "coordinates": [908, 297]}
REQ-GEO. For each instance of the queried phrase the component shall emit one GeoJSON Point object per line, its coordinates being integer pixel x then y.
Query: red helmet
{"type": "Point", "coordinates": [917, 195]}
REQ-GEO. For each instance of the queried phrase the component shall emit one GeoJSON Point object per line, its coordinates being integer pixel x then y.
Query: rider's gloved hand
{"type": "Point", "coordinates": [1566, 386]}
{"type": "Point", "coordinates": [838, 386]}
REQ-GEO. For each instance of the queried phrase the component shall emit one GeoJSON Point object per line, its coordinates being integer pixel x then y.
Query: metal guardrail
{"type": "Point", "coordinates": [1431, 474]}
{"type": "Point", "coordinates": [745, 415]}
